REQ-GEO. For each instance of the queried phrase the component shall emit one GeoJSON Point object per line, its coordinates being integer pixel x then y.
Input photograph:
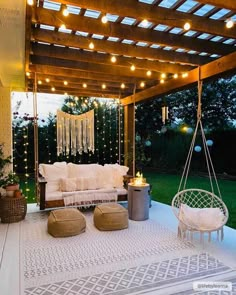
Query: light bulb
{"type": "Point", "coordinates": [39, 82]}
{"type": "Point", "coordinates": [65, 83]}
{"type": "Point", "coordinates": [184, 75]}
{"type": "Point", "coordinates": [162, 81]}
{"type": "Point", "coordinates": [142, 84]}
{"type": "Point", "coordinates": [63, 26]}
{"type": "Point", "coordinates": [145, 23]}
{"type": "Point", "coordinates": [122, 85]}
{"type": "Point", "coordinates": [103, 86]}
{"type": "Point", "coordinates": [175, 76]}
{"type": "Point", "coordinates": [84, 85]}
{"type": "Point", "coordinates": [53, 89]}
{"type": "Point", "coordinates": [229, 24]}
{"type": "Point", "coordinates": [149, 73]}
{"type": "Point", "coordinates": [65, 93]}
{"type": "Point", "coordinates": [104, 19]}
{"type": "Point", "coordinates": [91, 45]}
{"type": "Point", "coordinates": [187, 26]}
{"type": "Point", "coordinates": [30, 2]}
{"type": "Point", "coordinates": [113, 59]}
{"type": "Point", "coordinates": [47, 80]}
{"type": "Point", "coordinates": [27, 74]}
{"type": "Point", "coordinates": [65, 12]}
{"type": "Point", "coordinates": [163, 75]}
{"type": "Point", "coordinates": [132, 68]}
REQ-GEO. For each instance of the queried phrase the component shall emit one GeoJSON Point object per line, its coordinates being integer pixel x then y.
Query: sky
{"type": "Point", "coordinates": [46, 103]}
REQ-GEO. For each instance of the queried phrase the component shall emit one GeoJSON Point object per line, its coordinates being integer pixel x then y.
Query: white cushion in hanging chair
{"type": "Point", "coordinates": [199, 210]}
{"type": "Point", "coordinates": [201, 218]}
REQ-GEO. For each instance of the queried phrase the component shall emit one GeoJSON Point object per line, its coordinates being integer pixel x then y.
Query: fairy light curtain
{"type": "Point", "coordinates": [75, 133]}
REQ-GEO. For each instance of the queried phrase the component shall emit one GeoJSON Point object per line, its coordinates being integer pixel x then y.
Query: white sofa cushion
{"type": "Point", "coordinates": [116, 172]}
{"type": "Point", "coordinates": [82, 170]}
{"type": "Point", "coordinates": [53, 174]}
{"type": "Point", "coordinates": [201, 218]}
{"type": "Point", "coordinates": [68, 184]}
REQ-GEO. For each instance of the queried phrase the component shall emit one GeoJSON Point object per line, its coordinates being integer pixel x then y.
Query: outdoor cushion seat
{"type": "Point", "coordinates": [110, 216]}
{"type": "Point", "coordinates": [66, 222]}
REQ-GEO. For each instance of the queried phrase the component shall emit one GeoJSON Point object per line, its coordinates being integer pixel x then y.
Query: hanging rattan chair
{"type": "Point", "coordinates": [196, 209]}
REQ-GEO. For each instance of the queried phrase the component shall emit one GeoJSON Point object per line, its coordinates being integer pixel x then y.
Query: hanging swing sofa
{"type": "Point", "coordinates": [62, 184]}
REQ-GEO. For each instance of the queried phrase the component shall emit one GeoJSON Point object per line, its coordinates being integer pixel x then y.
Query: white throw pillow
{"type": "Point", "coordinates": [53, 171]}
{"type": "Point", "coordinates": [201, 218]}
{"type": "Point", "coordinates": [68, 184]}
{"type": "Point", "coordinates": [117, 171]}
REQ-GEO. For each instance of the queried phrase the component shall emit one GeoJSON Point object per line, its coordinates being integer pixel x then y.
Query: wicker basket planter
{"type": "Point", "coordinates": [12, 209]}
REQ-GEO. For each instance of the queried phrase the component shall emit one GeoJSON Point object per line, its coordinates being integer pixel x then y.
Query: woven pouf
{"type": "Point", "coordinates": [66, 222]}
{"type": "Point", "coordinates": [110, 217]}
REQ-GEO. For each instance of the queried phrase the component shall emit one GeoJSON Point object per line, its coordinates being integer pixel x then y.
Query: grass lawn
{"type": "Point", "coordinates": [165, 186]}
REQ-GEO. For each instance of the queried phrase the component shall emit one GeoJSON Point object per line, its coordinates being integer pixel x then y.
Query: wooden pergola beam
{"type": "Point", "coordinates": [79, 92]}
{"type": "Point", "coordinates": [80, 82]}
{"type": "Point", "coordinates": [156, 14]}
{"type": "Point", "coordinates": [81, 42]}
{"type": "Point", "coordinates": [77, 87]}
{"type": "Point", "coordinates": [228, 4]}
{"type": "Point", "coordinates": [53, 70]}
{"type": "Point", "coordinates": [99, 58]}
{"type": "Point", "coordinates": [95, 26]}
{"type": "Point", "coordinates": [216, 68]}
{"type": "Point", "coordinates": [93, 68]}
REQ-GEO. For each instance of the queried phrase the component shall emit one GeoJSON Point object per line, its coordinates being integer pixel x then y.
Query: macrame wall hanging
{"type": "Point", "coordinates": [75, 133]}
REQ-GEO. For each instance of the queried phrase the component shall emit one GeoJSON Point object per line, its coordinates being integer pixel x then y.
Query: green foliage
{"type": "Point", "coordinates": [10, 179]}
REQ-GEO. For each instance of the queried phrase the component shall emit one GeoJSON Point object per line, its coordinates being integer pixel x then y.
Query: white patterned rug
{"type": "Point", "coordinates": [142, 258]}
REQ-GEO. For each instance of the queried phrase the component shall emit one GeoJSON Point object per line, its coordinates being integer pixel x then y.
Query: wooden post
{"type": "Point", "coordinates": [129, 137]}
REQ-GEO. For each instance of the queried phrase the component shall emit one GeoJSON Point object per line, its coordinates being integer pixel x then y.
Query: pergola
{"type": "Point", "coordinates": [143, 51]}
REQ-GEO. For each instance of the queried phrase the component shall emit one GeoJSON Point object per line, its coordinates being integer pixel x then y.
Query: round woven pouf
{"type": "Point", "coordinates": [110, 216]}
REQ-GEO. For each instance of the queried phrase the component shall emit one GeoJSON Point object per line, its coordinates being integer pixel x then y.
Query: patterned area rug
{"type": "Point", "coordinates": [145, 257]}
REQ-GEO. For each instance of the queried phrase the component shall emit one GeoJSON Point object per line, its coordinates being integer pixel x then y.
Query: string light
{"type": "Point", "coordinates": [65, 83]}
{"type": "Point", "coordinates": [187, 26]}
{"type": "Point", "coordinates": [113, 59]}
{"type": "Point", "coordinates": [122, 85]}
{"type": "Point", "coordinates": [65, 11]}
{"type": "Point", "coordinates": [145, 22]}
{"type": "Point", "coordinates": [104, 19]}
{"type": "Point", "coordinates": [149, 73]}
{"type": "Point", "coordinates": [132, 68]}
{"type": "Point", "coordinates": [47, 80]}
{"type": "Point", "coordinates": [104, 86]}
{"type": "Point", "coordinates": [40, 82]}
{"type": "Point", "coordinates": [66, 93]}
{"type": "Point", "coordinates": [91, 45]}
{"type": "Point", "coordinates": [27, 74]}
{"type": "Point", "coordinates": [176, 76]}
{"type": "Point", "coordinates": [184, 75]}
{"type": "Point", "coordinates": [162, 81]}
{"type": "Point", "coordinates": [30, 2]}
{"type": "Point", "coordinates": [229, 23]}
{"type": "Point", "coordinates": [163, 75]}
{"type": "Point", "coordinates": [63, 27]}
{"type": "Point", "coordinates": [84, 85]}
{"type": "Point", "coordinates": [142, 84]}
{"type": "Point", "coordinates": [53, 89]}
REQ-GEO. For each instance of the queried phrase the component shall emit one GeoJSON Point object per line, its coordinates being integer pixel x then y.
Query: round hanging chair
{"type": "Point", "coordinates": [196, 209]}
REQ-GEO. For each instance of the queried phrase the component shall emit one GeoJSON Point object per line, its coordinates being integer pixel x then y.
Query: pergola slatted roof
{"type": "Point", "coordinates": [160, 45]}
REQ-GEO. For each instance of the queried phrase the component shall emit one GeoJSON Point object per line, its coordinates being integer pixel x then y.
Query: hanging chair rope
{"type": "Point", "coordinates": [209, 164]}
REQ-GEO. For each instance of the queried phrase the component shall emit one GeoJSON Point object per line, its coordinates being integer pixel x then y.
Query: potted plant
{"type": "Point", "coordinates": [4, 161]}
{"type": "Point", "coordinates": [10, 183]}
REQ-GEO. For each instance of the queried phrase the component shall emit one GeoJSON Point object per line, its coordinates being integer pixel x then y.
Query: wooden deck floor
{"type": "Point", "coordinates": [11, 276]}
